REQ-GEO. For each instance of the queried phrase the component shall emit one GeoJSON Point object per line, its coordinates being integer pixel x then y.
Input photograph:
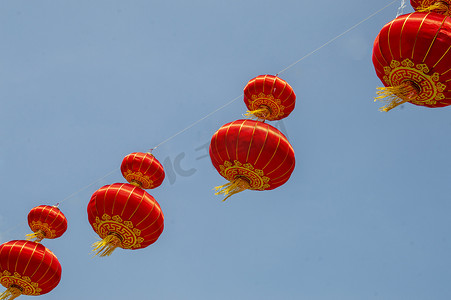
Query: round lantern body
{"type": "Point", "coordinates": [46, 222]}
{"type": "Point", "coordinates": [124, 216]}
{"type": "Point", "coordinates": [412, 58]}
{"type": "Point", "coordinates": [269, 97]}
{"type": "Point", "coordinates": [27, 268]}
{"type": "Point", "coordinates": [142, 170]}
{"type": "Point", "coordinates": [437, 6]}
{"type": "Point", "coordinates": [251, 155]}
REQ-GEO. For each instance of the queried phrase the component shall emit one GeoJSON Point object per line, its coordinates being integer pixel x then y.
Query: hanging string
{"type": "Point", "coordinates": [230, 102]}
{"type": "Point", "coordinates": [401, 8]}
{"type": "Point", "coordinates": [337, 37]}
{"type": "Point", "coordinates": [198, 121]}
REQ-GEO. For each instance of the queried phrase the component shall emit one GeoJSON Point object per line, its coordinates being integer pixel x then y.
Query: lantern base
{"type": "Point", "coordinates": [11, 293]}
{"type": "Point", "coordinates": [106, 246]}
{"type": "Point", "coordinates": [231, 188]}
{"type": "Point", "coordinates": [393, 96]}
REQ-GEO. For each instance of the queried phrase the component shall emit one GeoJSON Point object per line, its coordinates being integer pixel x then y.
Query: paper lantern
{"type": "Point", "coordinates": [27, 268]}
{"type": "Point", "coordinates": [412, 58]}
{"type": "Point", "coordinates": [46, 222]}
{"type": "Point", "coordinates": [124, 216]}
{"type": "Point", "coordinates": [142, 170]}
{"type": "Point", "coordinates": [268, 97]}
{"type": "Point", "coordinates": [251, 155]}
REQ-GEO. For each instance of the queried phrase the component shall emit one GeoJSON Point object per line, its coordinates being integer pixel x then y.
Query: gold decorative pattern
{"type": "Point", "coordinates": [130, 236]}
{"type": "Point", "coordinates": [44, 227]}
{"type": "Point", "coordinates": [139, 177]}
{"type": "Point", "coordinates": [431, 89]}
{"type": "Point", "coordinates": [275, 105]}
{"type": "Point", "coordinates": [257, 180]}
{"type": "Point", "coordinates": [28, 287]}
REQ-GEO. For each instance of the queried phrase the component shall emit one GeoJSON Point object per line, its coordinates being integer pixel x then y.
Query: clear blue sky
{"type": "Point", "coordinates": [365, 215]}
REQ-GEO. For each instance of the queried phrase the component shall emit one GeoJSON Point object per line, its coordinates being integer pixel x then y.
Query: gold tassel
{"type": "Point", "coordinates": [106, 246]}
{"type": "Point", "coordinates": [37, 235]}
{"type": "Point", "coordinates": [261, 113]}
{"type": "Point", "coordinates": [393, 96]}
{"type": "Point", "coordinates": [439, 7]}
{"type": "Point", "coordinates": [136, 183]}
{"type": "Point", "coordinates": [231, 188]}
{"type": "Point", "coordinates": [11, 293]}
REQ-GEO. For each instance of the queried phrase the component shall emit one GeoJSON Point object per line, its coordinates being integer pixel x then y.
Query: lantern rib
{"type": "Point", "coordinates": [237, 141]}
{"type": "Point", "coordinates": [48, 268]}
{"type": "Point", "coordinates": [39, 266]}
{"type": "Point", "coordinates": [388, 39]}
{"type": "Point", "coordinates": [225, 137]}
{"type": "Point", "coordinates": [151, 224]}
{"type": "Point", "coordinates": [275, 151]}
{"type": "Point", "coordinates": [263, 145]}
{"type": "Point", "coordinates": [156, 230]}
{"type": "Point", "coordinates": [29, 259]}
{"type": "Point", "coordinates": [18, 256]}
{"type": "Point", "coordinates": [250, 143]}
{"type": "Point", "coordinates": [280, 165]}
{"type": "Point", "coordinates": [139, 204]}
{"type": "Point", "coordinates": [125, 205]}
{"type": "Point", "coordinates": [433, 40]}
{"type": "Point", "coordinates": [148, 214]}
{"type": "Point", "coordinates": [416, 37]}
{"type": "Point", "coordinates": [400, 35]}
{"type": "Point", "coordinates": [446, 52]}
{"type": "Point", "coordinates": [58, 212]}
{"type": "Point", "coordinates": [42, 211]}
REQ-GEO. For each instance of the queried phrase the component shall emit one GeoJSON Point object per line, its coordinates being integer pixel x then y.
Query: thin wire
{"type": "Point", "coordinates": [198, 121]}
{"type": "Point", "coordinates": [337, 37]}
{"type": "Point", "coordinates": [88, 186]}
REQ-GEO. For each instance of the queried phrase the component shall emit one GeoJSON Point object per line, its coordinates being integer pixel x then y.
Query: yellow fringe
{"type": "Point", "coordinates": [439, 7]}
{"type": "Point", "coordinates": [231, 188]}
{"type": "Point", "coordinates": [260, 113]}
{"type": "Point", "coordinates": [393, 96]}
{"type": "Point", "coordinates": [136, 183]}
{"type": "Point", "coordinates": [106, 246]}
{"type": "Point", "coordinates": [37, 235]}
{"type": "Point", "coordinates": [10, 294]}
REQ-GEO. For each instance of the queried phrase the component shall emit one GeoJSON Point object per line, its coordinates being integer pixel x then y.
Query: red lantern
{"type": "Point", "coordinates": [412, 58]}
{"type": "Point", "coordinates": [124, 216]}
{"type": "Point", "coordinates": [269, 97]}
{"type": "Point", "coordinates": [142, 170]}
{"type": "Point", "coordinates": [251, 155]}
{"type": "Point", "coordinates": [437, 6]}
{"type": "Point", "coordinates": [46, 222]}
{"type": "Point", "coordinates": [27, 268]}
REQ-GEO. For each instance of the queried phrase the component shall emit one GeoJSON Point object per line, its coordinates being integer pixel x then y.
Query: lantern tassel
{"type": "Point", "coordinates": [10, 293]}
{"type": "Point", "coordinates": [393, 96]}
{"type": "Point", "coordinates": [231, 188]}
{"type": "Point", "coordinates": [106, 246]}
{"type": "Point", "coordinates": [260, 113]}
{"type": "Point", "coordinates": [439, 7]}
{"type": "Point", "coordinates": [37, 235]}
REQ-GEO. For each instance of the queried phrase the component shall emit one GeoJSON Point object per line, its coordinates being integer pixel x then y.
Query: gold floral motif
{"type": "Point", "coordinates": [38, 225]}
{"type": "Point", "coordinates": [29, 287]}
{"type": "Point", "coordinates": [130, 236]}
{"type": "Point", "coordinates": [257, 180]}
{"type": "Point", "coordinates": [143, 180]}
{"type": "Point", "coordinates": [275, 105]}
{"type": "Point", "coordinates": [431, 90]}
